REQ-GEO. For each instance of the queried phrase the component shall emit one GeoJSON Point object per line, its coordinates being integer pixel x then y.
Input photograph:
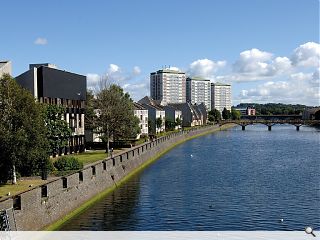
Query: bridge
{"type": "Point", "coordinates": [271, 122]}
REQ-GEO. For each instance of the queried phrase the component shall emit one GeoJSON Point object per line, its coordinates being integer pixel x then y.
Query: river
{"type": "Point", "coordinates": [229, 180]}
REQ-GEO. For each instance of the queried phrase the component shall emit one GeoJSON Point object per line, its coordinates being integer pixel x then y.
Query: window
{"type": "Point", "coordinates": [79, 121]}
{"type": "Point", "coordinates": [93, 170]}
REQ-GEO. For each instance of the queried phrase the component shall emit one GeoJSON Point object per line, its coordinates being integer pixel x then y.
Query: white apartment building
{"type": "Point", "coordinates": [172, 114]}
{"type": "Point", "coordinates": [220, 96]}
{"type": "Point", "coordinates": [142, 113]}
{"type": "Point", "coordinates": [198, 90]}
{"type": "Point", "coordinates": [168, 86]}
{"type": "Point", "coordinates": [155, 111]}
{"type": "Point", "coordinates": [5, 68]}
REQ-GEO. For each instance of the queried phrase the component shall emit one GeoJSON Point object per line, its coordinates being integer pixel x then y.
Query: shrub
{"type": "Point", "coordinates": [66, 163]}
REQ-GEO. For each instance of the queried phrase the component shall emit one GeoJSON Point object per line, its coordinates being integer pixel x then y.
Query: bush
{"type": "Point", "coordinates": [67, 163]}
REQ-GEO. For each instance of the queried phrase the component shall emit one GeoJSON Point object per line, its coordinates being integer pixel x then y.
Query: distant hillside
{"type": "Point", "coordinates": [275, 108]}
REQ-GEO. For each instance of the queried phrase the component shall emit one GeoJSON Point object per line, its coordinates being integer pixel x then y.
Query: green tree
{"type": "Point", "coordinates": [214, 115]}
{"type": "Point", "coordinates": [178, 122]}
{"type": "Point", "coordinates": [235, 114]}
{"type": "Point", "coordinates": [150, 129]}
{"type": "Point", "coordinates": [159, 122]}
{"type": "Point", "coordinates": [58, 131]}
{"type": "Point", "coordinates": [170, 125]}
{"type": "Point", "coordinates": [226, 114]}
{"type": "Point", "coordinates": [23, 143]}
{"type": "Point", "coordinates": [275, 108]}
{"type": "Point", "coordinates": [90, 116]}
{"type": "Point", "coordinates": [115, 118]}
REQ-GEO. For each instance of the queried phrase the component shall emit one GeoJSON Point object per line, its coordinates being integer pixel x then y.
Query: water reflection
{"type": "Point", "coordinates": [115, 212]}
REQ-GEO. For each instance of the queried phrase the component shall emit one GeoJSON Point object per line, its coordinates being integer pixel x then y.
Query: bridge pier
{"type": "Point", "coordinates": [243, 127]}
{"type": "Point", "coordinates": [297, 128]}
{"type": "Point", "coordinates": [269, 128]}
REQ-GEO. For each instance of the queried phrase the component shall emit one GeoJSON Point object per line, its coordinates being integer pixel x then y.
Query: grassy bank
{"type": "Point", "coordinates": [22, 185]}
{"type": "Point", "coordinates": [89, 203]}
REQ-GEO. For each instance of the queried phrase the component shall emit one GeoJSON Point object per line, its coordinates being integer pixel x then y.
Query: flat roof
{"type": "Point", "coordinates": [2, 63]}
{"type": "Point", "coordinates": [197, 79]}
{"type": "Point", "coordinates": [220, 84]}
{"type": "Point", "coordinates": [167, 71]}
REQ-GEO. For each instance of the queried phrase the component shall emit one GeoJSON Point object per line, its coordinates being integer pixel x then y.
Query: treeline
{"type": "Point", "coordinates": [275, 108]}
{"type": "Point", "coordinates": [215, 116]}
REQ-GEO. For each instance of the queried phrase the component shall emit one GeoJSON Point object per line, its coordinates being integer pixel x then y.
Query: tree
{"type": "Point", "coordinates": [150, 128]}
{"type": "Point", "coordinates": [23, 143]}
{"type": "Point", "coordinates": [58, 131]}
{"type": "Point", "coordinates": [275, 108]}
{"type": "Point", "coordinates": [115, 119]}
{"type": "Point", "coordinates": [235, 114]}
{"type": "Point", "coordinates": [178, 122]}
{"type": "Point", "coordinates": [159, 122]}
{"type": "Point", "coordinates": [214, 115]}
{"type": "Point", "coordinates": [226, 114]}
{"type": "Point", "coordinates": [170, 125]}
{"type": "Point", "coordinates": [90, 116]}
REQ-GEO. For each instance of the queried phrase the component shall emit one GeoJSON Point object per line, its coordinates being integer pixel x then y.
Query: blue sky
{"type": "Point", "coordinates": [268, 50]}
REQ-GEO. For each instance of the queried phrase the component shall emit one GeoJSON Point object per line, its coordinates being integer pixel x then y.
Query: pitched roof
{"type": "Point", "coordinates": [138, 106]}
{"type": "Point", "coordinates": [151, 102]}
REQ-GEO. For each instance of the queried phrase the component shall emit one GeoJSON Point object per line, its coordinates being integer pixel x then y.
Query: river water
{"type": "Point", "coordinates": [229, 180]}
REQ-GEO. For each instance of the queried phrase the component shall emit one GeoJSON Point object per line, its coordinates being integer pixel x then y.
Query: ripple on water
{"type": "Point", "coordinates": [235, 180]}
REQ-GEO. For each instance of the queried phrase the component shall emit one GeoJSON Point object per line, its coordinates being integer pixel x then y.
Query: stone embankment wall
{"type": "Point", "coordinates": [43, 205]}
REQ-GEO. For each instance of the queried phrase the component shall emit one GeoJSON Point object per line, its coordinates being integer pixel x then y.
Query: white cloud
{"type": "Point", "coordinates": [113, 68]}
{"type": "Point", "coordinates": [298, 88]}
{"type": "Point", "coordinates": [41, 41]}
{"type": "Point", "coordinates": [306, 55]}
{"type": "Point", "coordinates": [174, 68]}
{"type": "Point", "coordinates": [205, 68]}
{"type": "Point", "coordinates": [136, 70]}
{"type": "Point", "coordinates": [255, 65]}
{"type": "Point", "coordinates": [137, 90]}
{"type": "Point", "coordinates": [115, 74]}
{"type": "Point", "coordinates": [93, 80]}
{"type": "Point", "coordinates": [316, 74]}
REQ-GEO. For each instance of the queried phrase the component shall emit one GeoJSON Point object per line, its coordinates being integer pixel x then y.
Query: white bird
{"type": "Point", "coordinates": [281, 220]}
{"type": "Point", "coordinates": [191, 155]}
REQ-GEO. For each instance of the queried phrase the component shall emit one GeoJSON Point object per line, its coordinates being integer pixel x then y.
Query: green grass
{"type": "Point", "coordinates": [90, 156]}
{"type": "Point", "coordinates": [21, 186]}
{"type": "Point", "coordinates": [140, 141]}
{"type": "Point", "coordinates": [93, 155]}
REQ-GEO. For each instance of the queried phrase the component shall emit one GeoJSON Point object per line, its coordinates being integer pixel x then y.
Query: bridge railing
{"type": "Point", "coordinates": [270, 121]}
